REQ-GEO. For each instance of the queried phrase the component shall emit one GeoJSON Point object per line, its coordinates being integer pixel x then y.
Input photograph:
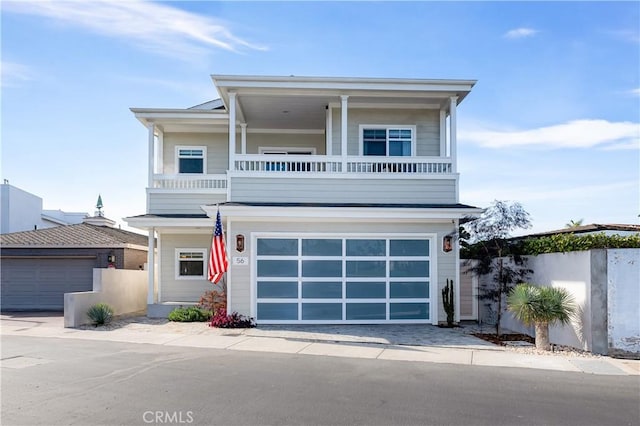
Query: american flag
{"type": "Point", "coordinates": [218, 262]}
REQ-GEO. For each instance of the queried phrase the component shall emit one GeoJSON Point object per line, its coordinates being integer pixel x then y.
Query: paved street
{"type": "Point", "coordinates": [53, 381]}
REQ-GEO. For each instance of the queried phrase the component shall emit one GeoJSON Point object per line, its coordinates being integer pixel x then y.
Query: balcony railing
{"type": "Point", "coordinates": [295, 165]}
{"type": "Point", "coordinates": [190, 182]}
{"type": "Point", "coordinates": [335, 164]}
{"type": "Point", "coordinates": [288, 163]}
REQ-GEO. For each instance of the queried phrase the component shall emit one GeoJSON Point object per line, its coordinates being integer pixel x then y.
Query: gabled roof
{"type": "Point", "coordinates": [74, 236]}
{"type": "Point", "coordinates": [214, 104]}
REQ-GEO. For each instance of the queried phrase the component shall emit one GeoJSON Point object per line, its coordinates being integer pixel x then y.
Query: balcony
{"type": "Point", "coordinates": [303, 164]}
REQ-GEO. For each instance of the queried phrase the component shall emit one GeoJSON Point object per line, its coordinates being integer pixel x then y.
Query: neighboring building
{"type": "Point", "coordinates": [22, 211]}
{"type": "Point", "coordinates": [338, 197]}
{"type": "Point", "coordinates": [39, 266]}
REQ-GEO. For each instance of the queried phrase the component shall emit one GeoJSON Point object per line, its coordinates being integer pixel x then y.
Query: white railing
{"type": "Point", "coordinates": [335, 164]}
{"type": "Point", "coordinates": [288, 163]}
{"type": "Point", "coordinates": [190, 181]}
{"type": "Point", "coordinates": [413, 165]}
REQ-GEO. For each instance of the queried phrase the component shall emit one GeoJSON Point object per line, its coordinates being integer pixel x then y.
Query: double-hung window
{"type": "Point", "coordinates": [387, 141]}
{"type": "Point", "coordinates": [191, 159]}
{"type": "Point", "coordinates": [190, 263]}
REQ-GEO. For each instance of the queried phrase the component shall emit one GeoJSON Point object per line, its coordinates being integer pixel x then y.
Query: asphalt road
{"type": "Point", "coordinates": [48, 381]}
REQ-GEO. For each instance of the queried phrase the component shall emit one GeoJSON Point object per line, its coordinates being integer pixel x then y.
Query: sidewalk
{"type": "Point", "coordinates": [399, 343]}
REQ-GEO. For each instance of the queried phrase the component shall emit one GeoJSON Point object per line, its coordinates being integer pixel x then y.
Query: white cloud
{"type": "Point", "coordinates": [12, 74]}
{"type": "Point", "coordinates": [635, 92]}
{"type": "Point", "coordinates": [157, 27]}
{"type": "Point", "coordinates": [573, 134]}
{"type": "Point", "coordinates": [520, 33]}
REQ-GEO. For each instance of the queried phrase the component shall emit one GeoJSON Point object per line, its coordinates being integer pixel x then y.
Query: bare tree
{"type": "Point", "coordinates": [488, 243]}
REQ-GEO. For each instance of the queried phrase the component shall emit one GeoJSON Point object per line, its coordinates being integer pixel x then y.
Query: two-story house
{"type": "Point", "coordinates": [338, 198]}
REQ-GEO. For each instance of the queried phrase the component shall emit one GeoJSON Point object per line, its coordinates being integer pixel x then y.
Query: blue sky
{"type": "Point", "coordinates": [553, 122]}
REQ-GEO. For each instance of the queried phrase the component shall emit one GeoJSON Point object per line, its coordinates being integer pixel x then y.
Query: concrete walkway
{"type": "Point", "coordinates": [391, 342]}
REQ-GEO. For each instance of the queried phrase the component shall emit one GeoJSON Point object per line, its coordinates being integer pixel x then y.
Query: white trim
{"type": "Point", "coordinates": [453, 101]}
{"type": "Point", "coordinates": [177, 157]}
{"type": "Point", "coordinates": [229, 247]}
{"type": "Point", "coordinates": [327, 132]}
{"type": "Point", "coordinates": [387, 127]}
{"type": "Point", "coordinates": [390, 105]}
{"type": "Point", "coordinates": [432, 258]}
{"type": "Point", "coordinates": [344, 128]}
{"type": "Point", "coordinates": [341, 175]}
{"type": "Point", "coordinates": [176, 271]}
{"type": "Point", "coordinates": [151, 294]}
{"type": "Point", "coordinates": [288, 131]}
{"type": "Point", "coordinates": [243, 138]}
{"type": "Point", "coordinates": [443, 133]}
{"type": "Point", "coordinates": [286, 150]}
{"type": "Point", "coordinates": [232, 129]}
{"type": "Point", "coordinates": [158, 278]}
{"type": "Point", "coordinates": [151, 157]}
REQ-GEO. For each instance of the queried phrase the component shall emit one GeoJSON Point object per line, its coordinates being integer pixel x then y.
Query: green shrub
{"type": "Point", "coordinates": [100, 314]}
{"type": "Point", "coordinates": [563, 243]}
{"type": "Point", "coordinates": [190, 314]}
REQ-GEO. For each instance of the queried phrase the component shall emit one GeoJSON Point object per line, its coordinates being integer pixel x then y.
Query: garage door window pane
{"type": "Point", "coordinates": [367, 290]}
{"type": "Point", "coordinates": [277, 247]}
{"type": "Point", "coordinates": [409, 311]}
{"type": "Point", "coordinates": [320, 290]}
{"type": "Point", "coordinates": [322, 311]}
{"type": "Point", "coordinates": [321, 247]}
{"type": "Point", "coordinates": [366, 311]}
{"type": "Point", "coordinates": [321, 268]}
{"type": "Point", "coordinates": [277, 311]}
{"type": "Point", "coordinates": [365, 268]}
{"type": "Point", "coordinates": [407, 290]}
{"type": "Point", "coordinates": [277, 268]}
{"type": "Point", "coordinates": [409, 247]}
{"type": "Point", "coordinates": [366, 248]}
{"type": "Point", "coordinates": [401, 268]}
{"type": "Point", "coordinates": [277, 289]}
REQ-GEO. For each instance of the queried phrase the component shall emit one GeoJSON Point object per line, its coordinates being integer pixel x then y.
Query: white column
{"type": "Point", "coordinates": [452, 133]}
{"type": "Point", "coordinates": [327, 131]}
{"type": "Point", "coordinates": [151, 269]}
{"type": "Point", "coordinates": [151, 127]}
{"type": "Point", "coordinates": [443, 133]}
{"type": "Point", "coordinates": [243, 138]}
{"type": "Point", "coordinates": [343, 130]}
{"type": "Point", "coordinates": [232, 130]}
{"type": "Point", "coordinates": [456, 284]}
{"type": "Point", "coordinates": [160, 153]}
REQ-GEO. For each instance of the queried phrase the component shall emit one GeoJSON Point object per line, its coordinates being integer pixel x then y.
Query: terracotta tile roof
{"type": "Point", "coordinates": [80, 235]}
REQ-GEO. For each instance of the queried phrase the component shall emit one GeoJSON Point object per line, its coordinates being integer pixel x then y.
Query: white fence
{"type": "Point", "coordinates": [125, 290]}
{"type": "Point", "coordinates": [605, 286]}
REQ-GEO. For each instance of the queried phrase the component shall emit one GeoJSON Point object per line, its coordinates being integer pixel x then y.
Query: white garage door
{"type": "Point", "coordinates": [360, 280]}
{"type": "Point", "coordinates": [41, 283]}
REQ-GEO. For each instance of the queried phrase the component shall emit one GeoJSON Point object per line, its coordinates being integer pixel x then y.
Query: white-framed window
{"type": "Point", "coordinates": [387, 140]}
{"type": "Point", "coordinates": [191, 263]}
{"type": "Point", "coordinates": [191, 159]}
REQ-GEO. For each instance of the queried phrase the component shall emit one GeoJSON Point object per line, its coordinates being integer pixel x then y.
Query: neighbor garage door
{"type": "Point", "coordinates": [343, 280]}
{"type": "Point", "coordinates": [41, 283]}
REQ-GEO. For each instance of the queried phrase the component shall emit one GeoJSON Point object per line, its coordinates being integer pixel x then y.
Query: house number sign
{"type": "Point", "coordinates": [240, 261]}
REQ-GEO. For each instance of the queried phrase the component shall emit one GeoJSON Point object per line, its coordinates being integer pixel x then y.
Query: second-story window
{"type": "Point", "coordinates": [387, 141]}
{"type": "Point", "coordinates": [191, 159]}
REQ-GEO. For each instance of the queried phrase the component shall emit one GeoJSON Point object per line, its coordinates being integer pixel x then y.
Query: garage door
{"type": "Point", "coordinates": [343, 280]}
{"type": "Point", "coordinates": [41, 283]}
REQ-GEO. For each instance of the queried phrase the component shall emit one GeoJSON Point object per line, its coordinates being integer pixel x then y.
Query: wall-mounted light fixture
{"type": "Point", "coordinates": [111, 258]}
{"type": "Point", "coordinates": [239, 243]}
{"type": "Point", "coordinates": [447, 243]}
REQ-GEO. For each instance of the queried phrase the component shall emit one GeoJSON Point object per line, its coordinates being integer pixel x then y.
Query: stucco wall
{"type": "Point", "coordinates": [124, 290]}
{"type": "Point", "coordinates": [623, 300]}
{"type": "Point", "coordinates": [605, 286]}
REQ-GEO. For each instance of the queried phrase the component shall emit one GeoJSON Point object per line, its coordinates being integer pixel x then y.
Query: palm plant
{"type": "Point", "coordinates": [541, 306]}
